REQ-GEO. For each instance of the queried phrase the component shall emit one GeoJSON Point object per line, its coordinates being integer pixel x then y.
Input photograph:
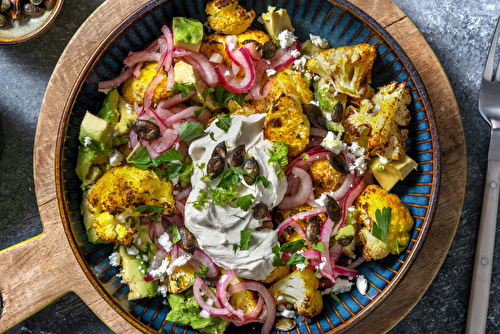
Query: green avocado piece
{"type": "Point", "coordinates": [185, 310]}
{"type": "Point", "coordinates": [133, 271]}
{"type": "Point", "coordinates": [109, 109]}
{"type": "Point", "coordinates": [187, 33]}
{"type": "Point", "coordinates": [275, 21]}
{"type": "Point", "coordinates": [97, 134]}
{"type": "Point", "coordinates": [127, 117]}
{"type": "Point", "coordinates": [346, 231]}
{"type": "Point", "coordinates": [143, 236]}
{"type": "Point", "coordinates": [390, 173]}
{"type": "Point", "coordinates": [88, 221]}
{"type": "Point", "coordinates": [86, 156]}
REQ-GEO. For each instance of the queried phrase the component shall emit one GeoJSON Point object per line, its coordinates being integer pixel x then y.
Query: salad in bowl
{"type": "Point", "coordinates": [241, 174]}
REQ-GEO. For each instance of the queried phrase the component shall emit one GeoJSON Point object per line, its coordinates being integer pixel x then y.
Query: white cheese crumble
{"type": "Point", "coordinates": [216, 58]}
{"type": "Point", "coordinates": [333, 142]}
{"type": "Point", "coordinates": [231, 45]}
{"type": "Point", "coordinates": [316, 103]}
{"type": "Point", "coordinates": [227, 73]}
{"type": "Point", "coordinates": [116, 158]}
{"type": "Point", "coordinates": [132, 250]}
{"type": "Point", "coordinates": [286, 38]}
{"type": "Point", "coordinates": [383, 160]}
{"type": "Point", "coordinates": [356, 153]}
{"type": "Point", "coordinates": [341, 285]}
{"type": "Point", "coordinates": [300, 63]}
{"type": "Point", "coordinates": [321, 266]}
{"type": "Point", "coordinates": [145, 258]}
{"type": "Point", "coordinates": [288, 314]}
{"type": "Point", "coordinates": [159, 273]}
{"type": "Point", "coordinates": [300, 266]}
{"type": "Point", "coordinates": [318, 41]}
{"type": "Point", "coordinates": [164, 241]}
{"type": "Point", "coordinates": [280, 298]}
{"type": "Point", "coordinates": [351, 209]}
{"type": "Point", "coordinates": [362, 284]}
{"type": "Point", "coordinates": [163, 290]}
{"type": "Point", "coordinates": [295, 53]}
{"type": "Point", "coordinates": [138, 241]}
{"type": "Point", "coordinates": [270, 72]}
{"type": "Point", "coordinates": [164, 302]}
{"type": "Point", "coordinates": [260, 20]}
{"type": "Point", "coordinates": [179, 262]}
{"type": "Point", "coordinates": [114, 259]}
{"type": "Point", "coordinates": [87, 141]}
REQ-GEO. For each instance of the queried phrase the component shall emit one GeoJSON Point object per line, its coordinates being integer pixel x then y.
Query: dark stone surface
{"type": "Point", "coordinates": [459, 33]}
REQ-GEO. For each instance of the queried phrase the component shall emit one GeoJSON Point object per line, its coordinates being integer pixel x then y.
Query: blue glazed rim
{"type": "Point", "coordinates": [144, 314]}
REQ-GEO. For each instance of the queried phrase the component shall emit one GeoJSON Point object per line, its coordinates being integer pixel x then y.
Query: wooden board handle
{"type": "Point", "coordinates": [32, 274]}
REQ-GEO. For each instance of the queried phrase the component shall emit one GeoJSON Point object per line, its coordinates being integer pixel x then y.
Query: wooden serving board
{"type": "Point", "coordinates": [40, 270]}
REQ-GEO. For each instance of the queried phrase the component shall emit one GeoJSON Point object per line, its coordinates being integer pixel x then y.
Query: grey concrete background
{"type": "Point", "coordinates": [459, 33]}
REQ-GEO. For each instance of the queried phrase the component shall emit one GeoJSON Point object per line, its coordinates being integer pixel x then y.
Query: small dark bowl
{"type": "Point", "coordinates": [22, 32]}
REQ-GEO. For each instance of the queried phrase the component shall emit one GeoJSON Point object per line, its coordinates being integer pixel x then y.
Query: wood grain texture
{"type": "Point", "coordinates": [48, 263]}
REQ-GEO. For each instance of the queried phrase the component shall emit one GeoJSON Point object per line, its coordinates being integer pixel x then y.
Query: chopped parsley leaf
{"type": "Point", "coordinates": [245, 237]}
{"type": "Point", "coordinates": [320, 247]}
{"type": "Point", "coordinates": [382, 221]}
{"type": "Point", "coordinates": [244, 202]}
{"type": "Point", "coordinates": [223, 122]}
{"type": "Point", "coordinates": [278, 155]}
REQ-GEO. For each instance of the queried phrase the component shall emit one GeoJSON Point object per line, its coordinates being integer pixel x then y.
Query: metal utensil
{"type": "Point", "coordinates": [489, 107]}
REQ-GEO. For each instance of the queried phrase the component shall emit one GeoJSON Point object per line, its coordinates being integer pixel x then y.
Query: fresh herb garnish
{"type": "Point", "coordinates": [295, 259]}
{"type": "Point", "coordinates": [212, 136]}
{"type": "Point", "coordinates": [139, 158]}
{"type": "Point", "coordinates": [176, 237]}
{"type": "Point", "coordinates": [198, 111]}
{"type": "Point", "coordinates": [167, 156]}
{"type": "Point", "coordinates": [278, 155]}
{"type": "Point", "coordinates": [334, 297]}
{"type": "Point", "coordinates": [398, 250]}
{"type": "Point", "coordinates": [305, 156]}
{"type": "Point", "coordinates": [207, 91]}
{"type": "Point", "coordinates": [223, 122]}
{"type": "Point", "coordinates": [153, 119]}
{"type": "Point", "coordinates": [201, 199]}
{"type": "Point", "coordinates": [108, 167]}
{"type": "Point", "coordinates": [190, 131]}
{"type": "Point", "coordinates": [245, 237]}
{"type": "Point", "coordinates": [244, 202]}
{"type": "Point", "coordinates": [152, 208]}
{"type": "Point", "coordinates": [239, 170]}
{"type": "Point", "coordinates": [280, 173]}
{"type": "Point", "coordinates": [156, 220]}
{"type": "Point", "coordinates": [289, 247]}
{"type": "Point", "coordinates": [222, 196]}
{"type": "Point", "coordinates": [293, 246]}
{"type": "Point", "coordinates": [319, 246]}
{"type": "Point", "coordinates": [262, 179]}
{"type": "Point", "coordinates": [381, 225]}
{"type": "Point", "coordinates": [238, 98]}
{"type": "Point", "coordinates": [203, 273]}
{"type": "Point", "coordinates": [184, 88]}
{"type": "Point", "coordinates": [173, 170]}
{"type": "Point", "coordinates": [222, 96]}
{"type": "Point", "coordinates": [239, 217]}
{"type": "Point", "coordinates": [228, 179]}
{"type": "Point", "coordinates": [153, 237]}
{"type": "Point", "coordinates": [148, 247]}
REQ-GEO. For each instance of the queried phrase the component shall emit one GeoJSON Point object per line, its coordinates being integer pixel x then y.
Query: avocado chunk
{"type": "Point", "coordinates": [109, 109]}
{"type": "Point", "coordinates": [88, 221]}
{"type": "Point", "coordinates": [133, 271]}
{"type": "Point", "coordinates": [142, 240]}
{"type": "Point", "coordinates": [390, 173]}
{"type": "Point", "coordinates": [127, 117]}
{"type": "Point", "coordinates": [97, 134]}
{"type": "Point", "coordinates": [187, 33]}
{"type": "Point", "coordinates": [275, 21]}
{"type": "Point", "coordinates": [185, 310]}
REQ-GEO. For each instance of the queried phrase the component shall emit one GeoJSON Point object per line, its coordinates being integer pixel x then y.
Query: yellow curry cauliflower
{"type": "Point", "coordinates": [375, 198]}
{"type": "Point", "coordinates": [228, 17]}
{"type": "Point", "coordinates": [118, 193]}
{"type": "Point", "coordinates": [286, 122]}
{"type": "Point", "coordinates": [348, 67]}
{"type": "Point", "coordinates": [299, 288]}
{"type": "Point", "coordinates": [380, 119]}
{"type": "Point", "coordinates": [325, 177]}
{"type": "Point", "coordinates": [292, 84]}
{"type": "Point", "coordinates": [133, 89]}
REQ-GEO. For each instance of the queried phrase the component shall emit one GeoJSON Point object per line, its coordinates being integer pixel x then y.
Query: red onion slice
{"type": "Point", "coordinates": [174, 100]}
{"type": "Point", "coordinates": [345, 271]}
{"type": "Point", "coordinates": [260, 68]}
{"type": "Point", "coordinates": [318, 132]}
{"type": "Point", "coordinates": [171, 79]}
{"type": "Point", "coordinates": [170, 46]}
{"type": "Point", "coordinates": [223, 295]}
{"type": "Point", "coordinates": [183, 194]}
{"type": "Point", "coordinates": [201, 288]}
{"type": "Point", "coordinates": [141, 57]}
{"type": "Point", "coordinates": [241, 286]}
{"type": "Point", "coordinates": [252, 50]}
{"type": "Point", "coordinates": [137, 70]}
{"type": "Point", "coordinates": [185, 114]}
{"type": "Point", "coordinates": [148, 94]}
{"type": "Point", "coordinates": [283, 58]}
{"type": "Point", "coordinates": [356, 262]}
{"type": "Point", "coordinates": [305, 190]}
{"type": "Point", "coordinates": [231, 82]}
{"type": "Point", "coordinates": [203, 66]}
{"type": "Point", "coordinates": [202, 258]}
{"type": "Point", "coordinates": [113, 83]}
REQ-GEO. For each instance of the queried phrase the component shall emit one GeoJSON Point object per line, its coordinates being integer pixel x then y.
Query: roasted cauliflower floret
{"type": "Point", "coordinates": [117, 228]}
{"type": "Point", "coordinates": [325, 177]}
{"type": "Point", "coordinates": [243, 300]}
{"type": "Point", "coordinates": [348, 67]}
{"type": "Point", "coordinates": [380, 118]}
{"type": "Point", "coordinates": [277, 274]}
{"type": "Point", "coordinates": [299, 288]}
{"type": "Point", "coordinates": [375, 198]}
{"type": "Point", "coordinates": [286, 122]}
{"type": "Point", "coordinates": [118, 193]}
{"type": "Point", "coordinates": [228, 17]}
{"type": "Point", "coordinates": [291, 83]}
{"type": "Point", "coordinates": [133, 89]}
{"type": "Point", "coordinates": [181, 278]}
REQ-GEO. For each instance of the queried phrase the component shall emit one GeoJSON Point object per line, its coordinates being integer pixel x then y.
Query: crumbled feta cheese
{"type": "Point", "coordinates": [114, 259]}
{"type": "Point", "coordinates": [132, 250]}
{"type": "Point", "coordinates": [138, 242]}
{"type": "Point", "coordinates": [227, 73]}
{"type": "Point", "coordinates": [87, 141]}
{"type": "Point", "coordinates": [145, 258]}
{"type": "Point", "coordinates": [231, 45]}
{"type": "Point", "coordinates": [295, 53]}
{"type": "Point", "coordinates": [268, 62]}
{"type": "Point", "coordinates": [280, 298]}
{"type": "Point", "coordinates": [362, 284]}
{"type": "Point", "coordinates": [341, 285]}
{"type": "Point", "coordinates": [270, 72]}
{"type": "Point", "coordinates": [356, 153]}
{"type": "Point", "coordinates": [329, 117]}
{"type": "Point", "coordinates": [351, 209]}
{"type": "Point", "coordinates": [164, 241]}
{"type": "Point", "coordinates": [316, 103]}
{"type": "Point", "coordinates": [333, 142]}
{"type": "Point", "coordinates": [383, 160]}
{"type": "Point", "coordinates": [301, 266]}
{"type": "Point", "coordinates": [175, 181]}
{"type": "Point", "coordinates": [318, 41]}
{"type": "Point", "coordinates": [116, 158]}
{"type": "Point", "coordinates": [260, 20]}
{"type": "Point", "coordinates": [300, 63]}
{"type": "Point", "coordinates": [216, 58]}
{"type": "Point", "coordinates": [321, 266]}
{"type": "Point", "coordinates": [163, 290]}
{"type": "Point", "coordinates": [288, 314]}
{"type": "Point", "coordinates": [316, 77]}
{"type": "Point", "coordinates": [321, 200]}
{"type": "Point", "coordinates": [138, 295]}
{"type": "Point", "coordinates": [286, 38]}
{"type": "Point", "coordinates": [119, 275]}
{"type": "Point", "coordinates": [160, 272]}
{"type": "Point", "coordinates": [143, 271]}
{"type": "Point", "coordinates": [179, 262]}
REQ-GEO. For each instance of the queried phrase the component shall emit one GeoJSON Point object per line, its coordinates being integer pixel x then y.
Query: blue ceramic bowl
{"type": "Point", "coordinates": [342, 24]}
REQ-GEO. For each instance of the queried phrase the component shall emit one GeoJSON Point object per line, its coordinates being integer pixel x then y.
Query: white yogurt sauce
{"type": "Point", "coordinates": [217, 228]}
